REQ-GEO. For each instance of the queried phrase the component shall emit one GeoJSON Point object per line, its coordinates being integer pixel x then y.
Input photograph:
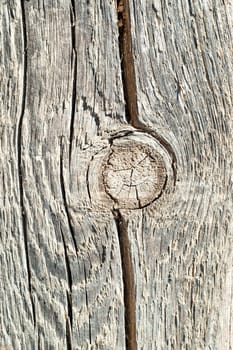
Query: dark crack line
{"type": "Point", "coordinates": [131, 113]}
{"type": "Point", "coordinates": [87, 180]}
{"type": "Point", "coordinates": [127, 62]}
{"type": "Point", "coordinates": [91, 109]}
{"type": "Point", "coordinates": [19, 153]}
{"type": "Point", "coordinates": [63, 191]}
{"type": "Point", "coordinates": [68, 269]}
{"type": "Point", "coordinates": [69, 280]}
{"type": "Point", "coordinates": [74, 78]}
{"type": "Point", "coordinates": [128, 281]}
{"type": "Point", "coordinates": [137, 196]}
{"type": "Point", "coordinates": [68, 335]}
{"type": "Point", "coordinates": [71, 229]}
{"type": "Point", "coordinates": [87, 303]}
{"type": "Point", "coordinates": [129, 80]}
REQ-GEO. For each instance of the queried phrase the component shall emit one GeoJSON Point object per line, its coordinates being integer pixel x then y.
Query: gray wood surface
{"type": "Point", "coordinates": [62, 99]}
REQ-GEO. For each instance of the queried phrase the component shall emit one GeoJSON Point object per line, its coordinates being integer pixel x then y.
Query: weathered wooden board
{"type": "Point", "coordinates": [60, 274]}
{"type": "Point", "coordinates": [62, 97]}
{"type": "Point", "coordinates": [183, 58]}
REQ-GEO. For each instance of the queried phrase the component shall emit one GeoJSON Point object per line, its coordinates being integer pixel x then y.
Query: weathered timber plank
{"type": "Point", "coordinates": [182, 249]}
{"type": "Point", "coordinates": [60, 265]}
{"type": "Point", "coordinates": [61, 98]}
{"type": "Point", "coordinates": [16, 312]}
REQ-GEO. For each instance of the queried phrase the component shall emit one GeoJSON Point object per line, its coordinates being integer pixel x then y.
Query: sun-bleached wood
{"type": "Point", "coordinates": [62, 99]}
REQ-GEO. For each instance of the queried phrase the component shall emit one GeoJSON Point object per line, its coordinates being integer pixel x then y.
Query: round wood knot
{"type": "Point", "coordinates": [134, 174]}
{"type": "Point", "coordinates": [130, 170]}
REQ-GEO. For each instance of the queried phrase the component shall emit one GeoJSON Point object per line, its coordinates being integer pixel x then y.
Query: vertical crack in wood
{"type": "Point", "coordinates": [128, 281]}
{"type": "Point", "coordinates": [87, 303]}
{"type": "Point", "coordinates": [129, 80]}
{"type": "Point", "coordinates": [74, 79]}
{"type": "Point", "coordinates": [68, 335]}
{"type": "Point", "coordinates": [131, 112]}
{"type": "Point", "coordinates": [63, 191]}
{"type": "Point", "coordinates": [70, 283]}
{"type": "Point", "coordinates": [127, 63]}
{"type": "Point", "coordinates": [68, 269]}
{"type": "Point", "coordinates": [19, 154]}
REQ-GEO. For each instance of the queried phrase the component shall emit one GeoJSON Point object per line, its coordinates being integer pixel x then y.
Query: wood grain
{"type": "Point", "coordinates": [72, 261]}
{"type": "Point", "coordinates": [62, 100]}
{"type": "Point", "coordinates": [183, 60]}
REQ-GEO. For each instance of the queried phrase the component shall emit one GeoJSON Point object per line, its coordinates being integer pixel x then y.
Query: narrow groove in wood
{"type": "Point", "coordinates": [87, 303]}
{"type": "Point", "coordinates": [63, 191]}
{"type": "Point", "coordinates": [74, 78]}
{"type": "Point", "coordinates": [19, 154]}
{"type": "Point", "coordinates": [69, 293]}
{"type": "Point", "coordinates": [127, 63]}
{"type": "Point", "coordinates": [129, 80]}
{"type": "Point", "coordinates": [69, 280]}
{"type": "Point", "coordinates": [128, 281]}
{"type": "Point", "coordinates": [68, 269]}
{"type": "Point", "coordinates": [190, 7]}
{"type": "Point", "coordinates": [68, 335]}
{"type": "Point", "coordinates": [131, 113]}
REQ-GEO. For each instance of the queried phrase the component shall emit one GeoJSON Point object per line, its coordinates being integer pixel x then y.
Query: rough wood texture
{"type": "Point", "coordinates": [62, 282]}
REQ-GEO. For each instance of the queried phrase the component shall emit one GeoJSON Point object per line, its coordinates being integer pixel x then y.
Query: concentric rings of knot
{"type": "Point", "coordinates": [134, 175]}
